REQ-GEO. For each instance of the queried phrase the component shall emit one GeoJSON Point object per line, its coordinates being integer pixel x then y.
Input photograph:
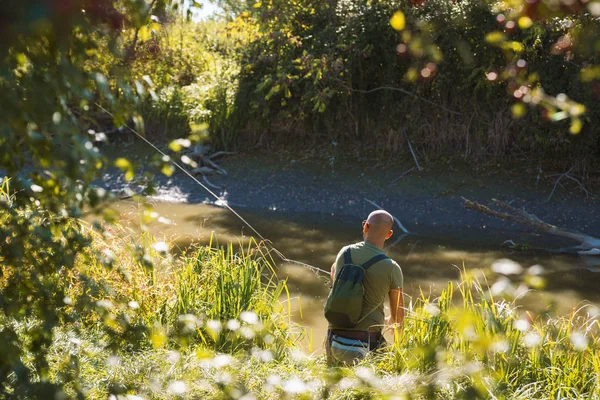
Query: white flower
{"type": "Point", "coordinates": [109, 256]}
{"type": "Point", "coordinates": [365, 374]}
{"type": "Point", "coordinates": [173, 357]}
{"type": "Point", "coordinates": [161, 247]}
{"type": "Point", "coordinates": [67, 300]}
{"type": "Point", "coordinates": [579, 341]}
{"type": "Point", "coordinates": [500, 346]}
{"type": "Point", "coordinates": [532, 339]}
{"type": "Point", "coordinates": [432, 309]}
{"type": "Point", "coordinates": [233, 324]}
{"type": "Point", "coordinates": [266, 356]}
{"type": "Point", "coordinates": [294, 386]}
{"type": "Point", "coordinates": [104, 304]}
{"type": "Point", "coordinates": [247, 332]}
{"type": "Point", "coordinates": [522, 325]}
{"type": "Point", "coordinates": [348, 383]}
{"type": "Point", "coordinates": [249, 317]}
{"type": "Point", "coordinates": [133, 397]}
{"type": "Point", "coordinates": [214, 326]}
{"type": "Point", "coordinates": [134, 305]}
{"type": "Point", "coordinates": [535, 270]}
{"type": "Point", "coordinates": [273, 380]}
{"type": "Point", "coordinates": [177, 387]}
{"type": "Point", "coordinates": [36, 188]}
{"type": "Point", "coordinates": [269, 339]}
{"type": "Point", "coordinates": [506, 267]}
{"type": "Point", "coordinates": [222, 360]}
{"type": "Point", "coordinates": [501, 286]}
{"type": "Point", "coordinates": [191, 321]}
{"type": "Point", "coordinates": [113, 361]}
{"type": "Point", "coordinates": [223, 378]}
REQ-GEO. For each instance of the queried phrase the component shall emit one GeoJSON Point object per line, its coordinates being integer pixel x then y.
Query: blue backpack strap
{"type": "Point", "coordinates": [376, 259]}
{"type": "Point", "coordinates": [347, 256]}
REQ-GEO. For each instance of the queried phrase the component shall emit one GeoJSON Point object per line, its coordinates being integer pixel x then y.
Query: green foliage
{"type": "Point", "coordinates": [339, 69]}
{"type": "Point", "coordinates": [49, 88]}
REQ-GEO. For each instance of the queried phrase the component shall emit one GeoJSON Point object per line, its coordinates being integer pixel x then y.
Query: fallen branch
{"type": "Point", "coordinates": [412, 151]}
{"type": "Point", "coordinates": [587, 243]}
{"type": "Point", "coordinates": [568, 176]}
{"type": "Point", "coordinates": [222, 153]}
{"type": "Point", "coordinates": [402, 176]}
{"type": "Point", "coordinates": [395, 219]}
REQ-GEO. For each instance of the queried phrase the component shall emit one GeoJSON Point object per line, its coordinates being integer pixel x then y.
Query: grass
{"type": "Point", "coordinates": [219, 331]}
{"type": "Point", "coordinates": [140, 322]}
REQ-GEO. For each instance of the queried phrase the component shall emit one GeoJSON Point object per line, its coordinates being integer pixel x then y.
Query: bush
{"type": "Point", "coordinates": [317, 70]}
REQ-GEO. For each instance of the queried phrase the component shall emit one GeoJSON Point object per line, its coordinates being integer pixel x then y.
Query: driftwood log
{"type": "Point", "coordinates": [589, 245]}
{"type": "Point", "coordinates": [204, 163]}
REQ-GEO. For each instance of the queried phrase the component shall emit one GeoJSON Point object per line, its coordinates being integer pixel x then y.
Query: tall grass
{"type": "Point", "coordinates": [211, 323]}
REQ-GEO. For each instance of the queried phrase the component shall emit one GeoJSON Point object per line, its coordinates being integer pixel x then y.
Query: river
{"type": "Point", "coordinates": [428, 263]}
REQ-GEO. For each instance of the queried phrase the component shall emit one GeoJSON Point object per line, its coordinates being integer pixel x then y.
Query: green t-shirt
{"type": "Point", "coordinates": [379, 279]}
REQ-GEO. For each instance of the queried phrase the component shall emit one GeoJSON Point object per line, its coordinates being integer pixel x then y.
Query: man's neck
{"type": "Point", "coordinates": [378, 244]}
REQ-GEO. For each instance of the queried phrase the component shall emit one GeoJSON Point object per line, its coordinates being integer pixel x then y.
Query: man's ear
{"type": "Point", "coordinates": [365, 227]}
{"type": "Point", "coordinates": [389, 235]}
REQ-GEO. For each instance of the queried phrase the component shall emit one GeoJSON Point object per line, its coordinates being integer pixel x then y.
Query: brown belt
{"type": "Point", "coordinates": [360, 335]}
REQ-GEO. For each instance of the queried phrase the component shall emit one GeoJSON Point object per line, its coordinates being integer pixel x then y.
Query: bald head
{"type": "Point", "coordinates": [378, 226]}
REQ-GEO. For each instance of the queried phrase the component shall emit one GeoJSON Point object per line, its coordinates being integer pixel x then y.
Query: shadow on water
{"type": "Point", "coordinates": [427, 264]}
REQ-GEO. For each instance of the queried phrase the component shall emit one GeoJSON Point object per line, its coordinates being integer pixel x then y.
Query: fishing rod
{"type": "Point", "coordinates": [225, 204]}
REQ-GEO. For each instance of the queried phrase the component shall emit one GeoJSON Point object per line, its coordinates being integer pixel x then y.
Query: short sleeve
{"type": "Point", "coordinates": [339, 260]}
{"type": "Point", "coordinates": [397, 280]}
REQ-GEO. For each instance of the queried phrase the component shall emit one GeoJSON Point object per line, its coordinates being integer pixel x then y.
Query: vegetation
{"type": "Point", "coordinates": [213, 323]}
{"type": "Point", "coordinates": [344, 71]}
{"type": "Point", "coordinates": [91, 311]}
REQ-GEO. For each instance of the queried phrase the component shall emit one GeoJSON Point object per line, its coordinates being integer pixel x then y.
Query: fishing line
{"type": "Point", "coordinates": [225, 204]}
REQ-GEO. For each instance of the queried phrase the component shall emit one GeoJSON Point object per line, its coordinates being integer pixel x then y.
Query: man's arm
{"type": "Point", "coordinates": [397, 307]}
{"type": "Point", "coordinates": [332, 272]}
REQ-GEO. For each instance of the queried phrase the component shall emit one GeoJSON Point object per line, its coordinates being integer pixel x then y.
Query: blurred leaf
{"type": "Point", "coordinates": [525, 22]}
{"type": "Point", "coordinates": [576, 125]}
{"type": "Point", "coordinates": [494, 37]}
{"type": "Point", "coordinates": [518, 110]}
{"type": "Point", "coordinates": [168, 169]}
{"type": "Point", "coordinates": [398, 21]}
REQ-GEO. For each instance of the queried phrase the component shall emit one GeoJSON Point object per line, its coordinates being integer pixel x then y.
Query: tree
{"type": "Point", "coordinates": [59, 62]}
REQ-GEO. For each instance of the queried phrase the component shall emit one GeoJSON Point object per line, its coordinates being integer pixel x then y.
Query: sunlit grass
{"type": "Point", "coordinates": [210, 323]}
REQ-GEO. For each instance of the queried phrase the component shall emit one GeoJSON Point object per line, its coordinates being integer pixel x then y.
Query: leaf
{"type": "Point", "coordinates": [145, 33]}
{"type": "Point", "coordinates": [518, 110]}
{"type": "Point", "coordinates": [398, 21]}
{"type": "Point", "coordinates": [576, 125]}
{"type": "Point", "coordinates": [178, 144]}
{"type": "Point", "coordinates": [525, 22]}
{"type": "Point", "coordinates": [123, 164]}
{"type": "Point", "coordinates": [494, 37]}
{"type": "Point", "coordinates": [168, 169]}
{"type": "Point", "coordinates": [559, 116]}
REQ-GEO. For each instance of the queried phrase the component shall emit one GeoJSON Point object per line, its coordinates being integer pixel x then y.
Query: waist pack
{"type": "Point", "coordinates": [344, 303]}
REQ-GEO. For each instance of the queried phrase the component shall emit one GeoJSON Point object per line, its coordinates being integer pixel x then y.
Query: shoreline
{"type": "Point", "coordinates": [428, 203]}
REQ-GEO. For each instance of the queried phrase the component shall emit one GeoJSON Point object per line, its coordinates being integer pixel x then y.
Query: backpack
{"type": "Point", "coordinates": [344, 303]}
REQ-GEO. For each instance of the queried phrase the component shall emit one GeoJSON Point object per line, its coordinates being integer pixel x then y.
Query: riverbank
{"type": "Point", "coordinates": [428, 202]}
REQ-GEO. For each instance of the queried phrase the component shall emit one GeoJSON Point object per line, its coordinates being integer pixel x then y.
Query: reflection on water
{"type": "Point", "coordinates": [427, 264]}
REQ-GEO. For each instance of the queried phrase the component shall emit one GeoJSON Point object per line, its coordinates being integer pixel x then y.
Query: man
{"type": "Point", "coordinates": [384, 278]}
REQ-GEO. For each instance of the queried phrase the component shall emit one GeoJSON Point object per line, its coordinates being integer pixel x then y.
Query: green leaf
{"type": "Point", "coordinates": [123, 164]}
{"type": "Point", "coordinates": [168, 169]}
